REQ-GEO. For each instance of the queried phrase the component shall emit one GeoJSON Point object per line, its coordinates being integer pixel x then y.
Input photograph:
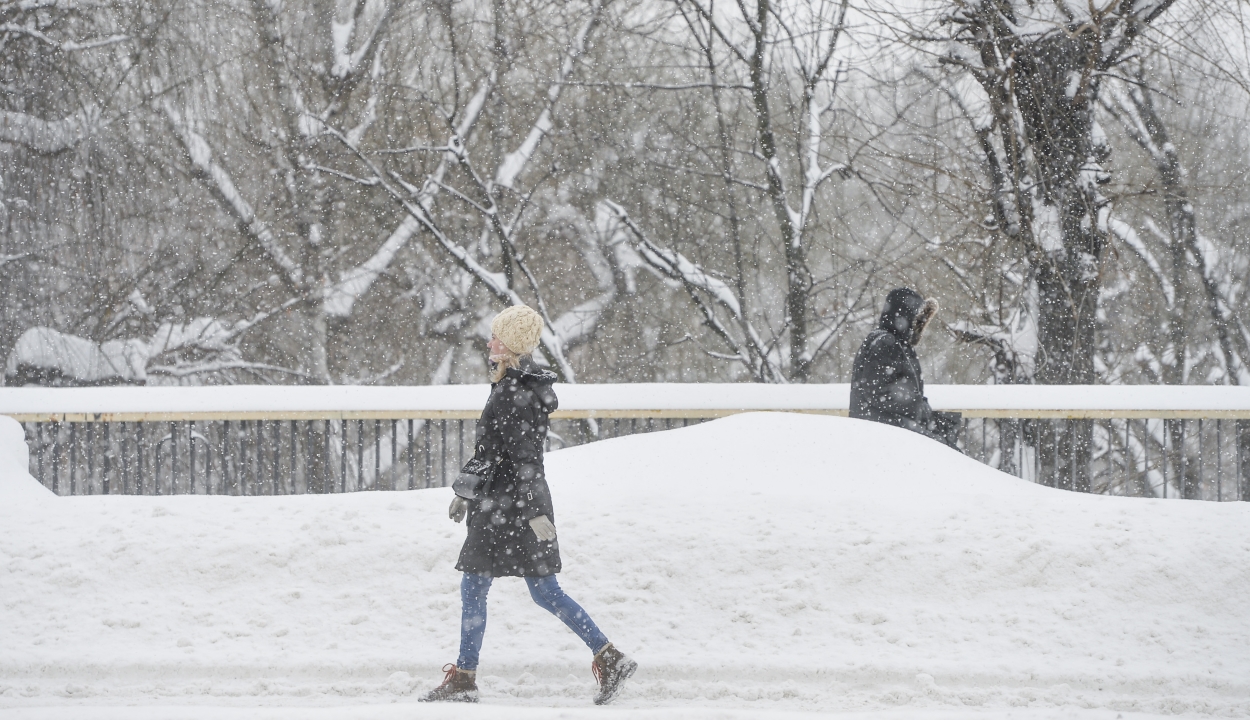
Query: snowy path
{"type": "Point", "coordinates": [758, 566]}
{"type": "Point", "coordinates": [405, 710]}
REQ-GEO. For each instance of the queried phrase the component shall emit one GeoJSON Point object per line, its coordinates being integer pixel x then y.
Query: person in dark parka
{"type": "Point", "coordinates": [886, 384]}
{"type": "Point", "coordinates": [511, 520]}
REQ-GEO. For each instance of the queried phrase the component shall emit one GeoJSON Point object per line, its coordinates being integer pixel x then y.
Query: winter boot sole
{"type": "Point", "coordinates": [460, 697]}
{"type": "Point", "coordinates": [623, 673]}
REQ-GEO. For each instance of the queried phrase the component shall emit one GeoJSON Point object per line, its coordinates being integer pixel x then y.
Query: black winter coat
{"type": "Point", "coordinates": [512, 490]}
{"type": "Point", "coordinates": [885, 380]}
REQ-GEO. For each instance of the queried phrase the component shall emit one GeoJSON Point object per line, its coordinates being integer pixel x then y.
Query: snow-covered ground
{"type": "Point", "coordinates": [764, 565]}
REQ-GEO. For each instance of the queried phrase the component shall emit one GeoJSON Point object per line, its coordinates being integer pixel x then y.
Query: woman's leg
{"type": "Point", "coordinates": [473, 590]}
{"type": "Point", "coordinates": [547, 593]}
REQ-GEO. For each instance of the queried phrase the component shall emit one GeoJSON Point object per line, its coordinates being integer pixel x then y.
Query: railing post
{"type": "Point", "coordinates": [429, 428]}
{"type": "Point", "coordinates": [124, 461]}
{"type": "Point", "coordinates": [39, 450]}
{"type": "Point", "coordinates": [73, 458]}
{"type": "Point", "coordinates": [140, 448]}
{"type": "Point", "coordinates": [294, 485]}
{"type": "Point", "coordinates": [410, 463]}
{"type": "Point", "coordinates": [1219, 460]}
{"type": "Point", "coordinates": [275, 487]}
{"type": "Point", "coordinates": [309, 462]}
{"type": "Point", "coordinates": [1243, 458]}
{"type": "Point", "coordinates": [459, 445]}
{"type": "Point", "coordinates": [191, 451]}
{"type": "Point", "coordinates": [106, 461]}
{"type": "Point", "coordinates": [1007, 447]}
{"type": "Point", "coordinates": [360, 455]}
{"type": "Point", "coordinates": [173, 458]}
{"type": "Point", "coordinates": [91, 443]}
{"type": "Point", "coordinates": [244, 466]}
{"type": "Point", "coordinates": [225, 458]}
{"type": "Point", "coordinates": [1201, 479]}
{"type": "Point", "coordinates": [377, 454]}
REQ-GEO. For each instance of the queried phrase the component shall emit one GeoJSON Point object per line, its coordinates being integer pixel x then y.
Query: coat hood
{"type": "Point", "coordinates": [906, 314]}
{"type": "Point", "coordinates": [537, 380]}
{"type": "Point", "coordinates": [902, 306]}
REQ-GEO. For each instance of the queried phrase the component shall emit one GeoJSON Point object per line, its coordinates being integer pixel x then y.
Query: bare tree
{"type": "Point", "coordinates": [1040, 69]}
{"type": "Point", "coordinates": [314, 68]}
{"type": "Point", "coordinates": [770, 54]}
{"type": "Point", "coordinates": [1131, 101]}
{"type": "Point", "coordinates": [498, 198]}
{"type": "Point", "coordinates": [68, 196]}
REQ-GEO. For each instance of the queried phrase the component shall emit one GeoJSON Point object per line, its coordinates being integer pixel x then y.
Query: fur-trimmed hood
{"type": "Point", "coordinates": [927, 313]}
{"type": "Point", "coordinates": [906, 314]}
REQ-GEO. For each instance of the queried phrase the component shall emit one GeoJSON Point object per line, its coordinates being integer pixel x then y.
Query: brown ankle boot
{"type": "Point", "coordinates": [611, 668]}
{"type": "Point", "coordinates": [458, 686]}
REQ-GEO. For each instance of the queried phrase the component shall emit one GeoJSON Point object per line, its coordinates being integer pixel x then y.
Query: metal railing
{"type": "Point", "coordinates": [1191, 451]}
{"type": "Point", "coordinates": [1166, 457]}
{"type": "Point", "coordinates": [271, 457]}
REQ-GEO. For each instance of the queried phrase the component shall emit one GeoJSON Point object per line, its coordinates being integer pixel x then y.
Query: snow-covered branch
{"type": "Point", "coordinates": [495, 283]}
{"type": "Point", "coordinates": [1127, 235]}
{"type": "Point", "coordinates": [192, 369]}
{"type": "Point", "coordinates": [200, 155]}
{"type": "Point", "coordinates": [341, 296]}
{"type": "Point", "coordinates": [347, 61]}
{"type": "Point", "coordinates": [243, 326]}
{"type": "Point", "coordinates": [29, 30]}
{"type": "Point", "coordinates": [1222, 291]}
{"type": "Point", "coordinates": [697, 282]}
{"type": "Point", "coordinates": [48, 136]}
{"type": "Point", "coordinates": [200, 346]}
{"type": "Point", "coordinates": [516, 161]}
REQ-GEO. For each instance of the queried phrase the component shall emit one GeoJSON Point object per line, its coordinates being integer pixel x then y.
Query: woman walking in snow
{"type": "Point", "coordinates": [511, 523]}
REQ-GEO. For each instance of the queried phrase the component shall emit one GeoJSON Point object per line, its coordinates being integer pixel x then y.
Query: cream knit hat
{"type": "Point", "coordinates": [519, 327]}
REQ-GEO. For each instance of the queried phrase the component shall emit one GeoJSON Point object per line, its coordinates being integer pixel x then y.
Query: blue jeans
{"type": "Point", "coordinates": [546, 593]}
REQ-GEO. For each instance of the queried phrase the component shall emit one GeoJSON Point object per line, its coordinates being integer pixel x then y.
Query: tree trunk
{"type": "Point", "coordinates": [318, 346]}
{"type": "Point", "coordinates": [798, 280]}
{"type": "Point", "coordinates": [1053, 93]}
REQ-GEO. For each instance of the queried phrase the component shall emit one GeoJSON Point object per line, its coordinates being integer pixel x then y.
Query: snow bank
{"type": "Point", "coordinates": [753, 565]}
{"type": "Point", "coordinates": [17, 487]}
{"type": "Point", "coordinates": [635, 396]}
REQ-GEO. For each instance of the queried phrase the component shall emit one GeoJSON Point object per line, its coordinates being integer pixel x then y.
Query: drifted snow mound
{"type": "Point", "coordinates": [763, 561]}
{"type": "Point", "coordinates": [16, 483]}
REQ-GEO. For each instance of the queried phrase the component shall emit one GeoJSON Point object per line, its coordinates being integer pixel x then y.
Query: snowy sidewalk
{"type": "Point", "coordinates": [401, 710]}
{"type": "Point", "coordinates": [757, 566]}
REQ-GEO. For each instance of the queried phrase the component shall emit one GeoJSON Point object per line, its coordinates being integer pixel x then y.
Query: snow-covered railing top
{"type": "Point", "coordinates": [642, 400]}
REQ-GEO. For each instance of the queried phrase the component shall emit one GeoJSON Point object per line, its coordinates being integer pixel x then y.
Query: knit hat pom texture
{"type": "Point", "coordinates": [519, 327]}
